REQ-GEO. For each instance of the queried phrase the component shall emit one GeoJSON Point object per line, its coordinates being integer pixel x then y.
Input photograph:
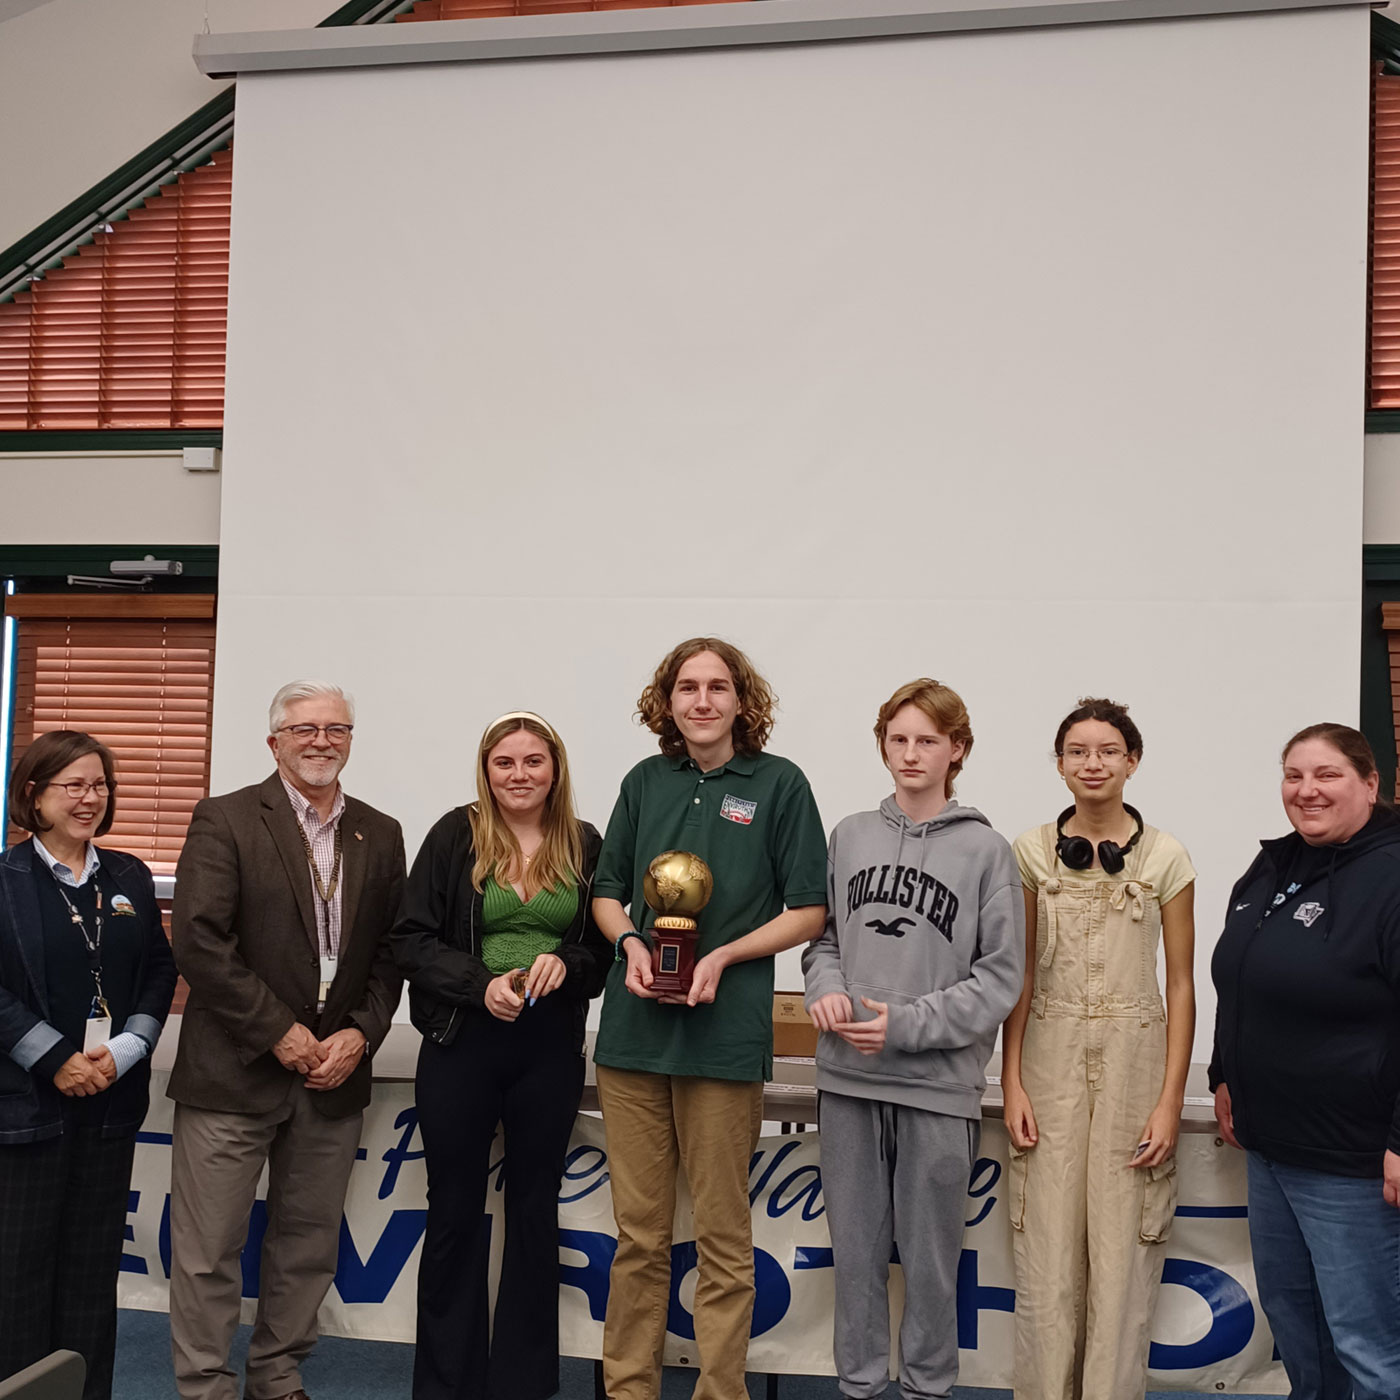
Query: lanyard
{"type": "Point", "coordinates": [91, 941]}
{"type": "Point", "coordinates": [325, 890]}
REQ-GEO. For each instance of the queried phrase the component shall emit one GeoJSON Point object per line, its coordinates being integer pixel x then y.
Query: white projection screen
{"type": "Point", "coordinates": [1029, 360]}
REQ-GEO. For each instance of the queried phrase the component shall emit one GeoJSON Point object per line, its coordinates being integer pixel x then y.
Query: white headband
{"type": "Point", "coordinates": [523, 714]}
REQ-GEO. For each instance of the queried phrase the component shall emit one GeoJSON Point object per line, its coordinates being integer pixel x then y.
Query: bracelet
{"type": "Point", "coordinates": [619, 955]}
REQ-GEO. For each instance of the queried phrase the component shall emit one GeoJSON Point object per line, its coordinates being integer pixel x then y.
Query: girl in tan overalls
{"type": "Point", "coordinates": [1094, 1070]}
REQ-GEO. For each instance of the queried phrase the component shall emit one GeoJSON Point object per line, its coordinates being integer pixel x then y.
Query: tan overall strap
{"type": "Point", "coordinates": [1046, 895]}
{"type": "Point", "coordinates": [1147, 954]}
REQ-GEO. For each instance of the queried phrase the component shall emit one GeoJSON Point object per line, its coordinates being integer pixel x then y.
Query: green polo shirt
{"type": "Point", "coordinates": [755, 823]}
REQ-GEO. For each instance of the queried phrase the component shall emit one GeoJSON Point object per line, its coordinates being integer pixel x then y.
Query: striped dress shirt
{"type": "Point", "coordinates": [321, 836]}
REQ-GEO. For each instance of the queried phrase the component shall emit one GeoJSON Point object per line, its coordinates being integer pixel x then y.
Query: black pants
{"type": "Point", "coordinates": [62, 1223]}
{"type": "Point", "coordinates": [527, 1076]}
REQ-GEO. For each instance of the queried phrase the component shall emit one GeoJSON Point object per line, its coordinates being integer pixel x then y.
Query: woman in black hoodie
{"type": "Point", "coordinates": [1306, 1070]}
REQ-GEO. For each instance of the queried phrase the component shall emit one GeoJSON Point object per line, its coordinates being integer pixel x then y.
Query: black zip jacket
{"type": "Point", "coordinates": [436, 939]}
{"type": "Point", "coordinates": [1307, 1020]}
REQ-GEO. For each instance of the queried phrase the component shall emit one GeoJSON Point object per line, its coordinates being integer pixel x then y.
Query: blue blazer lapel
{"type": "Point", "coordinates": [24, 915]}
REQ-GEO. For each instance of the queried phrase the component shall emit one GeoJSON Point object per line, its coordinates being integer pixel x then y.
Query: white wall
{"type": "Point", "coordinates": [957, 356]}
{"type": "Point", "coordinates": [93, 498]}
{"type": "Point", "coordinates": [1381, 523]}
{"type": "Point", "coordinates": [86, 84]}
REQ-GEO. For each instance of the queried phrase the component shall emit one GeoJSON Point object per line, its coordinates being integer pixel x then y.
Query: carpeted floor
{"type": "Point", "coordinates": [342, 1369]}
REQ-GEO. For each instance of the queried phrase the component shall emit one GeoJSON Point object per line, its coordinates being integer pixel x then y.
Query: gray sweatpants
{"type": "Point", "coordinates": [895, 1175]}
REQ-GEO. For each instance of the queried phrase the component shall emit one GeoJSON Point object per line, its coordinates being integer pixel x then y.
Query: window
{"type": "Point", "coordinates": [1383, 308]}
{"type": "Point", "coordinates": [136, 672]}
{"type": "Point", "coordinates": [129, 331]}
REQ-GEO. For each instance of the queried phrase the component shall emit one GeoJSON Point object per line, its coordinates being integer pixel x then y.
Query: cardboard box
{"type": "Point", "coordinates": [793, 1031]}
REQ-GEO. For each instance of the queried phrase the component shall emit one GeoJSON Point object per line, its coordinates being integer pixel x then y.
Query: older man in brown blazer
{"type": "Point", "coordinates": [283, 896]}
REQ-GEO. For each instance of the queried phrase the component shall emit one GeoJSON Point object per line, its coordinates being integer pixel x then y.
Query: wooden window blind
{"type": "Point", "coordinates": [129, 332]}
{"type": "Point", "coordinates": [484, 9]}
{"type": "Point", "coordinates": [1390, 622]}
{"type": "Point", "coordinates": [144, 687]}
{"type": "Point", "coordinates": [1383, 349]}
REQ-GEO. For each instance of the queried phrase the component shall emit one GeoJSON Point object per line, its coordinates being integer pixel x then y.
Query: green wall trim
{"type": "Point", "coordinates": [361, 12]}
{"type": "Point", "coordinates": [1385, 41]}
{"type": "Point", "coordinates": [112, 440]}
{"type": "Point", "coordinates": [56, 561]}
{"type": "Point", "coordinates": [1380, 561]}
{"type": "Point", "coordinates": [1383, 420]}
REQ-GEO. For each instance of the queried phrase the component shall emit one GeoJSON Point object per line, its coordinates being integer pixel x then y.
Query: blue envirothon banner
{"type": "Point", "coordinates": [1209, 1332]}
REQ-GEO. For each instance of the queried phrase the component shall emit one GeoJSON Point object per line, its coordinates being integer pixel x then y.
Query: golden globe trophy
{"type": "Point", "coordinates": [677, 886]}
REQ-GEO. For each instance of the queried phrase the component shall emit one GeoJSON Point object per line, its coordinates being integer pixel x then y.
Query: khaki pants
{"type": "Point", "coordinates": [656, 1123]}
{"type": "Point", "coordinates": [215, 1163]}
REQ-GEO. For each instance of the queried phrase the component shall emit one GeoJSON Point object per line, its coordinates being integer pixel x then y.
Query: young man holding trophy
{"type": "Point", "coordinates": [685, 1040]}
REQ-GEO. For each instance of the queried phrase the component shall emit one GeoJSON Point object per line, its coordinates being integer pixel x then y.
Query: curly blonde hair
{"type": "Point", "coordinates": [752, 725]}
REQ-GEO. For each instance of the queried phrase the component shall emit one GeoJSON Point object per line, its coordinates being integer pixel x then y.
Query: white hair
{"type": "Point", "coordinates": [304, 690]}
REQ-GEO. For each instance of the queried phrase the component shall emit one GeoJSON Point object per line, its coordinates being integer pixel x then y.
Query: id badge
{"type": "Point", "coordinates": [97, 1031]}
{"type": "Point", "coordinates": [328, 966]}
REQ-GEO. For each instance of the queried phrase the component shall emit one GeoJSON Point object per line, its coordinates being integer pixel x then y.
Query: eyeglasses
{"type": "Point", "coordinates": [79, 790]}
{"type": "Point", "coordinates": [1076, 754]}
{"type": "Point", "coordinates": [335, 733]}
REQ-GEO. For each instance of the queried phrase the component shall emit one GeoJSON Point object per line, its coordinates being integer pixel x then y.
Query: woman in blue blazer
{"type": "Point", "coordinates": [86, 979]}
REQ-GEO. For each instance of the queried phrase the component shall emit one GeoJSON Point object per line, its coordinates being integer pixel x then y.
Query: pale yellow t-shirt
{"type": "Point", "coordinates": [1166, 867]}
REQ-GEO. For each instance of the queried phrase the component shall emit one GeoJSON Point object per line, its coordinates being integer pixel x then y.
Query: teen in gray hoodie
{"type": "Point", "coordinates": [921, 960]}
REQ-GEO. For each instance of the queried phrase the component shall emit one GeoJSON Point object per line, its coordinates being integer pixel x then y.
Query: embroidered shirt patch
{"type": "Point", "coordinates": [737, 809]}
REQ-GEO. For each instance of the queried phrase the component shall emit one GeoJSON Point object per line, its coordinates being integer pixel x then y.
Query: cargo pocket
{"type": "Point", "coordinates": [1018, 1164]}
{"type": "Point", "coordinates": [1158, 1203]}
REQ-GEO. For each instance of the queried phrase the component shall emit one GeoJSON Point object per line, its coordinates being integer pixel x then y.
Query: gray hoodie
{"type": "Point", "coordinates": [927, 917]}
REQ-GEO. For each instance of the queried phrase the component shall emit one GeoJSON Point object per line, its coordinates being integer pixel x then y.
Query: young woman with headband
{"type": "Point", "coordinates": [497, 943]}
{"type": "Point", "coordinates": [1094, 1071]}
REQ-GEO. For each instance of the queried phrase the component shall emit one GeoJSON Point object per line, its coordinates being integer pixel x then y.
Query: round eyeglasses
{"type": "Point", "coordinates": [1077, 754]}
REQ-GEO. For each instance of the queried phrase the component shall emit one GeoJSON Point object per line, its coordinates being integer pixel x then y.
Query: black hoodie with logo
{"type": "Point", "coordinates": [1307, 1020]}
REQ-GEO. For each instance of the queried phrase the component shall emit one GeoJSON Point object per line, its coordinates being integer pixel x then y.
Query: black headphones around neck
{"type": "Point", "coordinates": [1077, 852]}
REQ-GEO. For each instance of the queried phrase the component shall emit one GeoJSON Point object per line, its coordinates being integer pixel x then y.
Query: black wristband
{"type": "Point", "coordinates": [619, 953]}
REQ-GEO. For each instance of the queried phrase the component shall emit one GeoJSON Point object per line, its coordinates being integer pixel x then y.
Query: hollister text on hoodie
{"type": "Point", "coordinates": [928, 918]}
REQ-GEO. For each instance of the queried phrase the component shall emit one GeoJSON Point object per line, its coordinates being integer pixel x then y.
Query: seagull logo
{"type": "Point", "coordinates": [891, 929]}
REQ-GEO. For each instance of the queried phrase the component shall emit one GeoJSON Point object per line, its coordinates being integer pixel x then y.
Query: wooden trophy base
{"type": "Point", "coordinates": [673, 955]}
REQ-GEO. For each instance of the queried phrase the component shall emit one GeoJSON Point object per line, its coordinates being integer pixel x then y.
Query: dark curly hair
{"type": "Point", "coordinates": [1106, 712]}
{"type": "Point", "coordinates": [752, 725]}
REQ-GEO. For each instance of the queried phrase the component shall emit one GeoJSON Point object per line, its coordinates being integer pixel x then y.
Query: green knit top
{"type": "Point", "coordinates": [514, 934]}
